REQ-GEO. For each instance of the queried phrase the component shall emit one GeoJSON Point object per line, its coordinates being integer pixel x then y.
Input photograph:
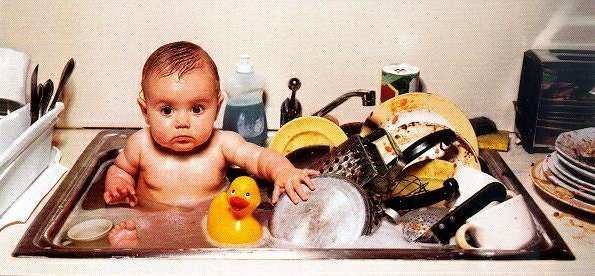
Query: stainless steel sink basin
{"type": "Point", "coordinates": [179, 232]}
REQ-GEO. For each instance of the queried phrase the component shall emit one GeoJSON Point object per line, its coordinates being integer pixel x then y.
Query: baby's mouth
{"type": "Point", "coordinates": [183, 139]}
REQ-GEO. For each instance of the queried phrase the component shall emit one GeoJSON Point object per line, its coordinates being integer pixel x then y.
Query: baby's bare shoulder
{"type": "Point", "coordinates": [138, 142]}
{"type": "Point", "coordinates": [227, 137]}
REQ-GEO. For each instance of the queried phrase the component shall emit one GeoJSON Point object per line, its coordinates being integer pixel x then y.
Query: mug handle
{"type": "Point", "coordinates": [460, 236]}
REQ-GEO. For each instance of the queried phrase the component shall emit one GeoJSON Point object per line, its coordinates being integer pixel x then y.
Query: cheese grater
{"type": "Point", "coordinates": [359, 159]}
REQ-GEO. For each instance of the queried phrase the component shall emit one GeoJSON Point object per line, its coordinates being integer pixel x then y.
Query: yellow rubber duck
{"type": "Point", "coordinates": [230, 219]}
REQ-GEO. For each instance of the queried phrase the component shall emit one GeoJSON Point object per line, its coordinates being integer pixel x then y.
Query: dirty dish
{"type": "Point", "coordinates": [438, 225]}
{"type": "Point", "coordinates": [574, 168]}
{"type": "Point", "coordinates": [423, 176]}
{"type": "Point", "coordinates": [461, 152]}
{"type": "Point", "coordinates": [578, 146]}
{"type": "Point", "coordinates": [554, 176]}
{"type": "Point", "coordinates": [386, 111]}
{"type": "Point", "coordinates": [90, 230]}
{"type": "Point", "coordinates": [307, 131]}
{"type": "Point", "coordinates": [471, 180]}
{"type": "Point", "coordinates": [340, 211]}
{"type": "Point", "coordinates": [560, 194]}
{"type": "Point", "coordinates": [566, 173]}
{"type": "Point", "coordinates": [487, 227]}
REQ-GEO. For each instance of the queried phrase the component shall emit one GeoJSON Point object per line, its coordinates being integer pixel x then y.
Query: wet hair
{"type": "Point", "coordinates": [179, 57]}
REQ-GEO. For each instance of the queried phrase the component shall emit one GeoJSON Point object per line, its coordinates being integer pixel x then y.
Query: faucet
{"type": "Point", "coordinates": [368, 99]}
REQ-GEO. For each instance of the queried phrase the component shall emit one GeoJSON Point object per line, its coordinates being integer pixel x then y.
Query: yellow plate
{"type": "Point", "coordinates": [307, 131]}
{"type": "Point", "coordinates": [414, 101]}
{"type": "Point", "coordinates": [423, 176]}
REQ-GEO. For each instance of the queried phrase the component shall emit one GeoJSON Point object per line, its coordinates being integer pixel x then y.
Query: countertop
{"type": "Point", "coordinates": [72, 142]}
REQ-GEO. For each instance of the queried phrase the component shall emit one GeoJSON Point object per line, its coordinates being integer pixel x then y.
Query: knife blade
{"type": "Point", "coordinates": [445, 228]}
{"type": "Point", "coordinates": [66, 72]}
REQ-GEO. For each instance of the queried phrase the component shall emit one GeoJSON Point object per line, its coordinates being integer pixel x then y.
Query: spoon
{"type": "Point", "coordinates": [48, 90]}
{"type": "Point", "coordinates": [41, 95]}
{"type": "Point", "coordinates": [66, 72]}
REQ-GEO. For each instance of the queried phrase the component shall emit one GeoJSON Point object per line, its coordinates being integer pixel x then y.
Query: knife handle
{"type": "Point", "coordinates": [448, 225]}
{"type": "Point", "coordinates": [449, 187]}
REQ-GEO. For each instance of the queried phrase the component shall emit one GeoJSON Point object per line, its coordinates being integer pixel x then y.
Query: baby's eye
{"type": "Point", "coordinates": [197, 109]}
{"type": "Point", "coordinates": [166, 110]}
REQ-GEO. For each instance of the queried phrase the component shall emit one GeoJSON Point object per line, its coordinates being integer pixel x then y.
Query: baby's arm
{"type": "Point", "coordinates": [120, 178]}
{"type": "Point", "coordinates": [268, 164]}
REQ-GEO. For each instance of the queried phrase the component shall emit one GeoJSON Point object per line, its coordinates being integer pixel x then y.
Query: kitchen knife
{"type": "Point", "coordinates": [34, 96]}
{"type": "Point", "coordinates": [66, 72]}
{"type": "Point", "coordinates": [445, 228]}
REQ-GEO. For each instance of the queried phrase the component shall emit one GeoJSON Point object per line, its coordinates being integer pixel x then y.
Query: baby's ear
{"type": "Point", "coordinates": [219, 102]}
{"type": "Point", "coordinates": [143, 107]}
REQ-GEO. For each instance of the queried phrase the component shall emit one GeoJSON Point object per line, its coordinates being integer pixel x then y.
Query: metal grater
{"type": "Point", "coordinates": [358, 159]}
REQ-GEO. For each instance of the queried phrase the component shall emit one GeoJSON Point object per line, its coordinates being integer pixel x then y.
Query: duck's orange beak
{"type": "Point", "coordinates": [238, 203]}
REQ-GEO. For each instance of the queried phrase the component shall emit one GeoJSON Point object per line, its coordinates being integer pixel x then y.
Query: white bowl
{"type": "Point", "coordinates": [90, 230]}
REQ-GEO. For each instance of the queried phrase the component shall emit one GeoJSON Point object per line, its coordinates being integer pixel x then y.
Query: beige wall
{"type": "Point", "coordinates": [469, 51]}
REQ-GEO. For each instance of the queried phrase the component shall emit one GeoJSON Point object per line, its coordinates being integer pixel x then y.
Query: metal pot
{"type": "Point", "coordinates": [339, 211]}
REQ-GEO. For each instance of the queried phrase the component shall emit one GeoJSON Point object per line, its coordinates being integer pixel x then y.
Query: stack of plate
{"type": "Point", "coordinates": [572, 166]}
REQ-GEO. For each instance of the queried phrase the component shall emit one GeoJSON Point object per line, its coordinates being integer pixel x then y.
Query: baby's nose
{"type": "Point", "coordinates": [182, 120]}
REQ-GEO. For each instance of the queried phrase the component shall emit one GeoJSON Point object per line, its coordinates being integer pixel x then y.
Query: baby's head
{"type": "Point", "coordinates": [180, 85]}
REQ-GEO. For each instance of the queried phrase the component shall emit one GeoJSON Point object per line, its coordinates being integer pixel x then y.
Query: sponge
{"type": "Point", "coordinates": [497, 141]}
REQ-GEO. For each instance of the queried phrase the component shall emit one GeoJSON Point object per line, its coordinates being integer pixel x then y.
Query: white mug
{"type": "Point", "coordinates": [505, 226]}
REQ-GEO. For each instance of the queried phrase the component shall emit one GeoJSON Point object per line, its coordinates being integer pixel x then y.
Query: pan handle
{"type": "Point", "coordinates": [448, 189]}
{"type": "Point", "coordinates": [447, 226]}
{"type": "Point", "coordinates": [427, 142]}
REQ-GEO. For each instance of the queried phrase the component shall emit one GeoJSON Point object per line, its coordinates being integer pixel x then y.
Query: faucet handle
{"type": "Point", "coordinates": [294, 84]}
{"type": "Point", "coordinates": [291, 107]}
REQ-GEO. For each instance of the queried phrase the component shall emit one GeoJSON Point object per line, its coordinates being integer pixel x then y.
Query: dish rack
{"type": "Point", "coordinates": [27, 156]}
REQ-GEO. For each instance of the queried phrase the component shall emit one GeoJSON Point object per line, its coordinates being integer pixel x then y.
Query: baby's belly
{"type": "Point", "coordinates": [177, 193]}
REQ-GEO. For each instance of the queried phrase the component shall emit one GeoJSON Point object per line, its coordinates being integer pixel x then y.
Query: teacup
{"type": "Point", "coordinates": [505, 226]}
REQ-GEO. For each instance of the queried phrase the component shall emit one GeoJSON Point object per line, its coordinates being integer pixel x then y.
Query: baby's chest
{"type": "Point", "coordinates": [170, 171]}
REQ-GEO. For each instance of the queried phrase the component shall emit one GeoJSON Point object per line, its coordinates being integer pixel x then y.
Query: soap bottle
{"type": "Point", "coordinates": [244, 111]}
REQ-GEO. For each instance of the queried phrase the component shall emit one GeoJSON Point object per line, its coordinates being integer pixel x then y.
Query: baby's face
{"type": "Point", "coordinates": [181, 111]}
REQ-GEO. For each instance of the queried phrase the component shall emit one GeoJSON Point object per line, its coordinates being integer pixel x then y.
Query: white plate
{"type": "Point", "coordinates": [570, 144]}
{"type": "Point", "coordinates": [556, 192]}
{"type": "Point", "coordinates": [554, 177]}
{"type": "Point", "coordinates": [567, 173]}
{"type": "Point", "coordinates": [573, 168]}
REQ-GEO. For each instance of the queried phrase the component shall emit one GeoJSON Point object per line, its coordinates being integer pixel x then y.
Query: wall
{"type": "Point", "coordinates": [469, 51]}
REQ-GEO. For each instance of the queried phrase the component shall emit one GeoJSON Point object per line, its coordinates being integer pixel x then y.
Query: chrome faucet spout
{"type": "Point", "coordinates": [368, 99]}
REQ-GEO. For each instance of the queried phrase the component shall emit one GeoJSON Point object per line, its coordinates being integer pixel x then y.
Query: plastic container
{"type": "Point", "coordinates": [244, 111]}
{"type": "Point", "coordinates": [26, 157]}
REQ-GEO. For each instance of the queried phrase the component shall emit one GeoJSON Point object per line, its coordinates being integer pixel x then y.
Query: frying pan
{"type": "Point", "coordinates": [339, 211]}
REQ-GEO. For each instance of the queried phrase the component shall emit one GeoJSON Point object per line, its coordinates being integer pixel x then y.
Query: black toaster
{"type": "Point", "coordinates": [556, 94]}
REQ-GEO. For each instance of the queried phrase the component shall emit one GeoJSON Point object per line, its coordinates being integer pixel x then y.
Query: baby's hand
{"type": "Point", "coordinates": [120, 193]}
{"type": "Point", "coordinates": [290, 181]}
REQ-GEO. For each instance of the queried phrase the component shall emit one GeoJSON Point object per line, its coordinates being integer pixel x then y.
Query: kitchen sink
{"type": "Point", "coordinates": [79, 197]}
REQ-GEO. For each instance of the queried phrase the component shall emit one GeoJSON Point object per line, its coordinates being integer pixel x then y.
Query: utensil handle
{"type": "Point", "coordinates": [427, 142]}
{"type": "Point", "coordinates": [449, 187]}
{"type": "Point", "coordinates": [448, 226]}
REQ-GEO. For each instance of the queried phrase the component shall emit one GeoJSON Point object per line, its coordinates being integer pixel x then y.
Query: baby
{"type": "Point", "coordinates": [180, 158]}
